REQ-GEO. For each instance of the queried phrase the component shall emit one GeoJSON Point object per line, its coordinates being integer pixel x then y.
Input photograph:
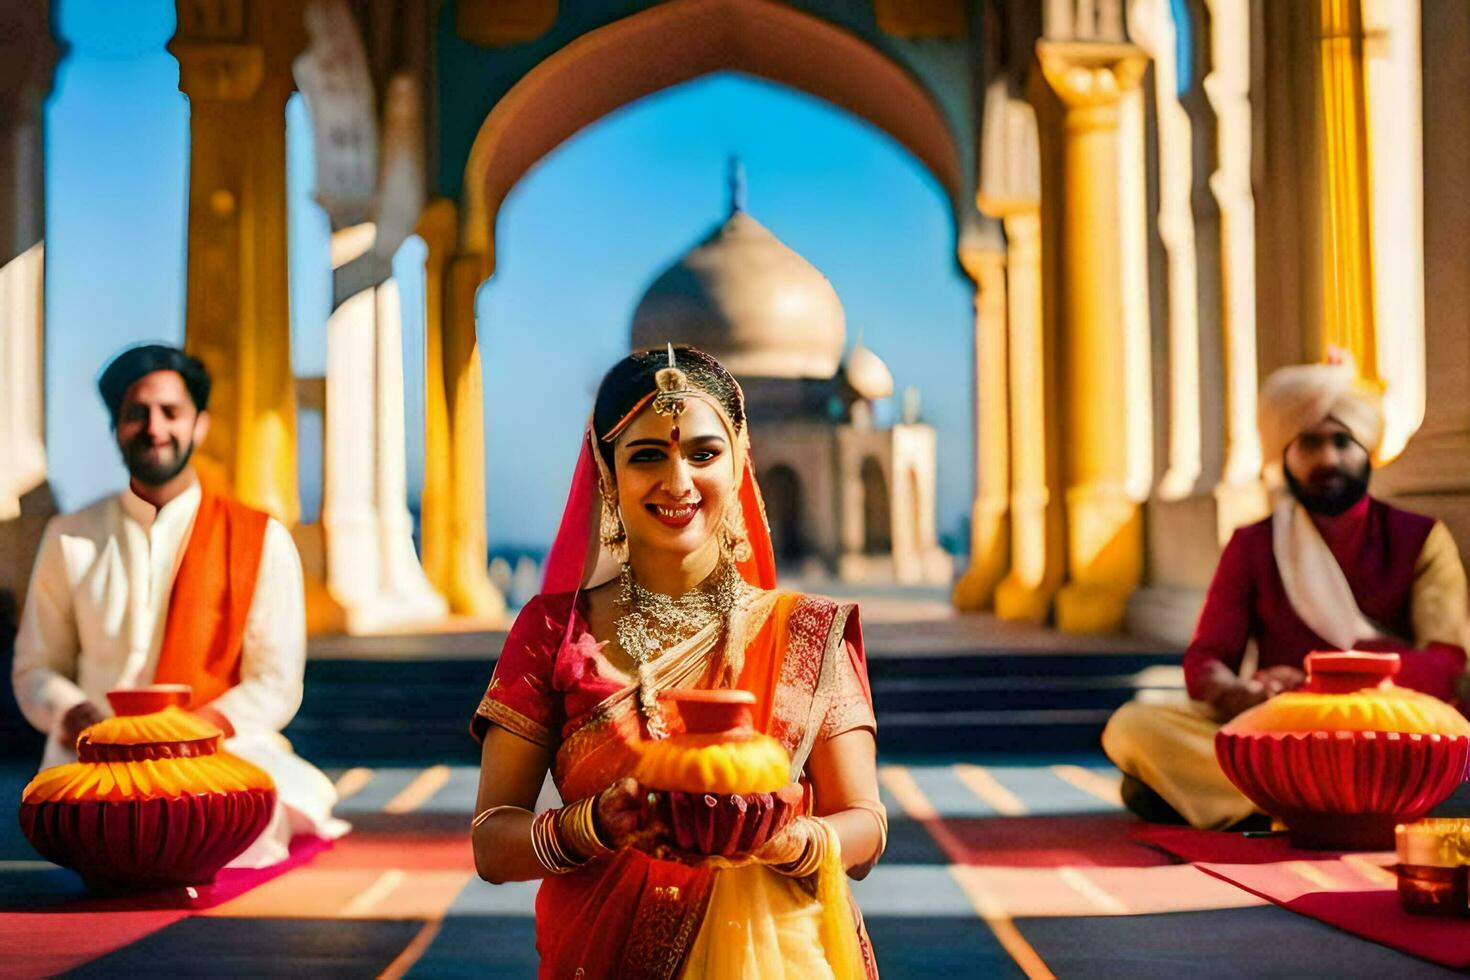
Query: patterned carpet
{"type": "Point", "coordinates": [995, 870]}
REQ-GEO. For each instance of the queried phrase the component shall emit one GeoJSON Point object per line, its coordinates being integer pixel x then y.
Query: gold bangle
{"type": "Point", "coordinates": [880, 814]}
{"type": "Point", "coordinates": [546, 845]}
{"type": "Point", "coordinates": [578, 829]}
{"type": "Point", "coordinates": [806, 864]}
{"type": "Point", "coordinates": [489, 812]}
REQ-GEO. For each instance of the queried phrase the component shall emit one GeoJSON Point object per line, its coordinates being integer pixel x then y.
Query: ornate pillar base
{"type": "Point", "coordinates": [1025, 595]}
{"type": "Point", "coordinates": [990, 556]}
{"type": "Point", "coordinates": [1107, 528]}
{"type": "Point", "coordinates": [1018, 602]}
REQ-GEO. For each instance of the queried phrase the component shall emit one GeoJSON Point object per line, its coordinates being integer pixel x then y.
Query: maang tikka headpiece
{"type": "Point", "coordinates": [673, 388]}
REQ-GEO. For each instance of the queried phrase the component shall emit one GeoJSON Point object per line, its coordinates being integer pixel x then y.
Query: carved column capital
{"type": "Point", "coordinates": [1088, 75]}
{"type": "Point", "coordinates": [981, 261]}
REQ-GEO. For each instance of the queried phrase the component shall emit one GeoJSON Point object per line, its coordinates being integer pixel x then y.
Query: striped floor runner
{"type": "Point", "coordinates": [996, 870]}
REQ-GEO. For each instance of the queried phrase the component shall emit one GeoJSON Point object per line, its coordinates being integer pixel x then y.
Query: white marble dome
{"type": "Point", "coordinates": [745, 297]}
{"type": "Point", "coordinates": [867, 375]}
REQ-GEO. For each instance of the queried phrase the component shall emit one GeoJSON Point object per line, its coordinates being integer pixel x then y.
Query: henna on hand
{"type": "Point", "coordinates": [786, 846]}
{"type": "Point", "coordinates": [623, 817]}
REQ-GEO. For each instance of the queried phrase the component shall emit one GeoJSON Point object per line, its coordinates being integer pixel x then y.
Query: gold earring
{"type": "Point", "coordinates": [736, 537]}
{"type": "Point", "coordinates": [612, 532]}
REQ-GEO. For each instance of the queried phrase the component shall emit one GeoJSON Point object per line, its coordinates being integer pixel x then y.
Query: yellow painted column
{"type": "Point", "coordinates": [439, 228]}
{"type": "Point", "coordinates": [1037, 554]}
{"type": "Point", "coordinates": [1347, 258]}
{"type": "Point", "coordinates": [235, 67]}
{"type": "Point", "coordinates": [990, 536]}
{"type": "Point", "coordinates": [1104, 521]}
{"type": "Point", "coordinates": [469, 590]}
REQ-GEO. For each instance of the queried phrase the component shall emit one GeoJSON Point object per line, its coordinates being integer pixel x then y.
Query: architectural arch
{"type": "Point", "coordinates": [679, 41]}
{"type": "Point", "coordinates": [576, 85]}
{"type": "Point", "coordinates": [782, 490]}
{"type": "Point", "coordinates": [877, 509]}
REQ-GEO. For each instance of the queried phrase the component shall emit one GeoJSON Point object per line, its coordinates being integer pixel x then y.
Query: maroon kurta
{"type": "Point", "coordinates": [1377, 547]}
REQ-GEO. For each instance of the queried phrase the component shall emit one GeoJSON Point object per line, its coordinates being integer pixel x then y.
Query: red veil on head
{"type": "Point", "coordinates": [578, 559]}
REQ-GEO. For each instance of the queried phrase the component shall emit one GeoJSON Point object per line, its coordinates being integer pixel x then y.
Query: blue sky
{"type": "Point", "coordinates": [579, 239]}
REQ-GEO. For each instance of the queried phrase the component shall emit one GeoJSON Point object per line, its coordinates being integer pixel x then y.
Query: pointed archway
{"type": "Point", "coordinates": [575, 86]}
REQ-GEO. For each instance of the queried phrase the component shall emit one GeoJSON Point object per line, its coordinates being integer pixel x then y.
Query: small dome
{"type": "Point", "coordinates": [867, 375]}
{"type": "Point", "coordinates": [745, 297]}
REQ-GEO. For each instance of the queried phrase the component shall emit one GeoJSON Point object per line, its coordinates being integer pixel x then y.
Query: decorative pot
{"type": "Point", "coordinates": [152, 800]}
{"type": "Point", "coordinates": [724, 788]}
{"type": "Point", "coordinates": [1348, 755]}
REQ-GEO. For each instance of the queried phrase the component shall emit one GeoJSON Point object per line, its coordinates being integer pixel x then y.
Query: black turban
{"type": "Point", "coordinates": [133, 363]}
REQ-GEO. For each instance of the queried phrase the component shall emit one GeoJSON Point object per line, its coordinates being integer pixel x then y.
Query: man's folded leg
{"type": "Point", "coordinates": [1170, 748]}
{"type": "Point", "coordinates": [304, 798]}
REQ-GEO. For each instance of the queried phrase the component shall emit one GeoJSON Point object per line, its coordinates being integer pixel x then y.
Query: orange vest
{"type": "Point", "coordinates": [204, 633]}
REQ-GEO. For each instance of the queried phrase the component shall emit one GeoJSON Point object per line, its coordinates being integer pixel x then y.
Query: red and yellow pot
{"type": "Point", "coordinates": [152, 800]}
{"type": "Point", "coordinates": [724, 788]}
{"type": "Point", "coordinates": [1348, 755]}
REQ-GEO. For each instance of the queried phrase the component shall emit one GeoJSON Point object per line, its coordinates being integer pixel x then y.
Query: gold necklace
{"type": "Point", "coordinates": [653, 622]}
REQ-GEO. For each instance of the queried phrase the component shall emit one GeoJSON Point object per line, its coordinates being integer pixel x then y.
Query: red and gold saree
{"type": "Point", "coordinates": [632, 915]}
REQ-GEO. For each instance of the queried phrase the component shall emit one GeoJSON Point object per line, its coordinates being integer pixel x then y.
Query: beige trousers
{"type": "Point", "coordinates": [1171, 748]}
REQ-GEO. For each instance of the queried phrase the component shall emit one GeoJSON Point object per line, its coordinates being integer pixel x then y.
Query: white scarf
{"type": "Point", "coordinates": [1315, 584]}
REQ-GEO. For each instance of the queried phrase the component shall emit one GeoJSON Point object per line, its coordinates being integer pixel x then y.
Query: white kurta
{"type": "Point", "coordinates": [94, 620]}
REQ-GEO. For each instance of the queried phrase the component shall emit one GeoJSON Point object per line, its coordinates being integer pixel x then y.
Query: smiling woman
{"type": "Point", "coordinates": [661, 579]}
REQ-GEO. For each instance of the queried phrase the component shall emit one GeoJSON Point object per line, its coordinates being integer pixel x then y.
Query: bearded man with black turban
{"type": "Point", "coordinates": [171, 581]}
{"type": "Point", "coordinates": [1332, 568]}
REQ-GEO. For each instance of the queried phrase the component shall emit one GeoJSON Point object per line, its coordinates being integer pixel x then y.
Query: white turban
{"type": "Point", "coordinates": [1297, 398]}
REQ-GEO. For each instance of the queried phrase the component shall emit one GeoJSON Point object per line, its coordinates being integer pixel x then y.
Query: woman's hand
{"type": "Point", "coordinates": [788, 845]}
{"type": "Point", "coordinates": [624, 817]}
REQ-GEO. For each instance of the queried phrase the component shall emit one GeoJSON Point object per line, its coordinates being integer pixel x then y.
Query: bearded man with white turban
{"type": "Point", "coordinates": [1332, 568]}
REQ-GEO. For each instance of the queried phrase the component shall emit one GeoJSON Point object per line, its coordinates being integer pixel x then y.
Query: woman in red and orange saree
{"type": "Point", "coordinates": [662, 577]}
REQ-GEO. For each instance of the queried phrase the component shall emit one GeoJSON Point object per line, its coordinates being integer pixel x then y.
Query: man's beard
{"type": "Point", "coordinates": [154, 473]}
{"type": "Point", "coordinates": [1330, 503]}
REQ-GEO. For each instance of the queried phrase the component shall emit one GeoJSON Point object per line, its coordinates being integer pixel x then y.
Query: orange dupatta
{"type": "Point", "coordinates": [204, 633]}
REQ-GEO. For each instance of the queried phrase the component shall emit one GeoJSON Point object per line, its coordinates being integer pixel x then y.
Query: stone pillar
{"type": "Point", "coordinates": [1105, 527]}
{"type": "Point", "coordinates": [470, 591]}
{"type": "Point", "coordinates": [1133, 272]}
{"type": "Point", "coordinates": [1154, 30]}
{"type": "Point", "coordinates": [1432, 475]}
{"type": "Point", "coordinates": [439, 229]}
{"type": "Point", "coordinates": [22, 416]}
{"type": "Point", "coordinates": [1240, 497]}
{"type": "Point", "coordinates": [372, 571]}
{"type": "Point", "coordinates": [27, 61]}
{"type": "Point", "coordinates": [1010, 190]}
{"type": "Point", "coordinates": [349, 511]}
{"type": "Point", "coordinates": [1392, 68]}
{"type": "Point", "coordinates": [1037, 550]}
{"type": "Point", "coordinates": [401, 580]}
{"type": "Point", "coordinates": [990, 538]}
{"type": "Point", "coordinates": [1347, 258]}
{"type": "Point", "coordinates": [235, 67]}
